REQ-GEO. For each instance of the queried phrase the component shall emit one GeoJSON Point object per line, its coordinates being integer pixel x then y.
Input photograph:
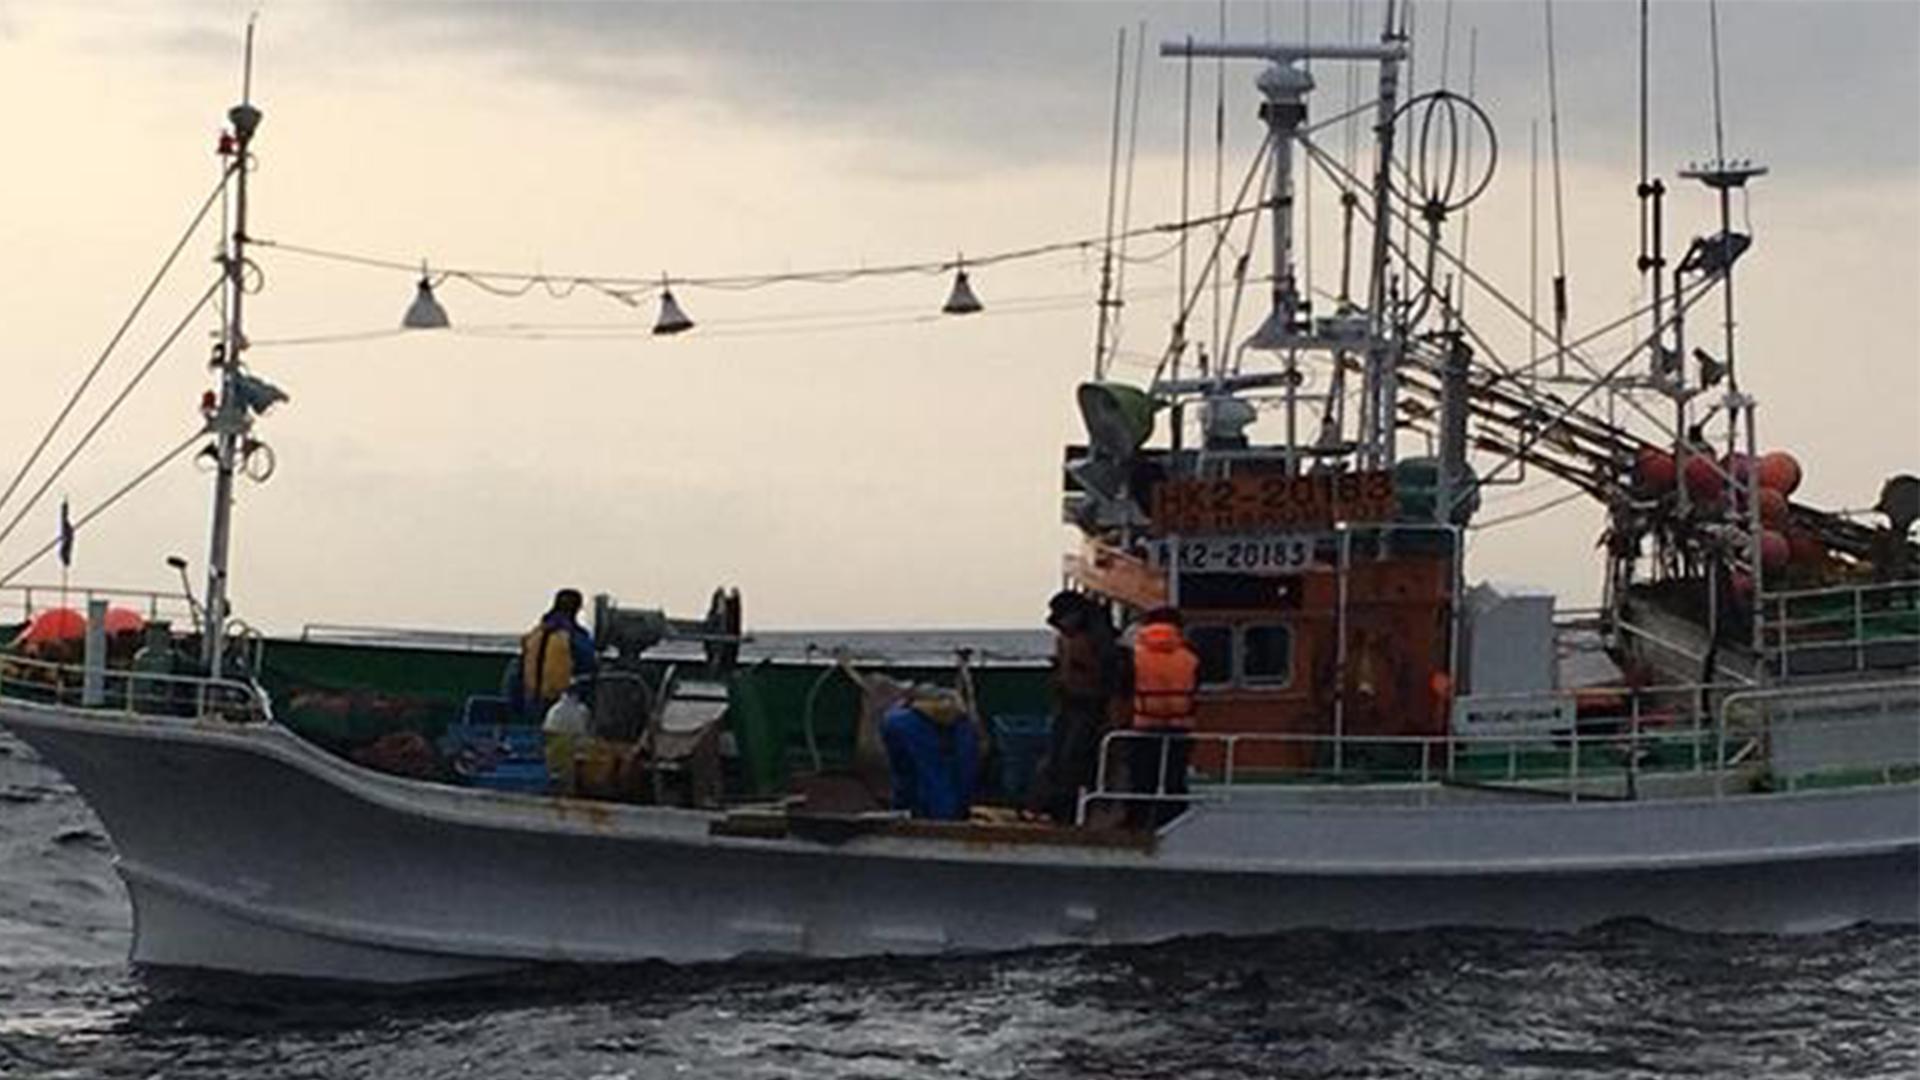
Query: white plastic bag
{"type": "Point", "coordinates": [569, 716]}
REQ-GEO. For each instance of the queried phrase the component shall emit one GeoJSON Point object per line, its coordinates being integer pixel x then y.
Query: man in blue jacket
{"type": "Point", "coordinates": [933, 754]}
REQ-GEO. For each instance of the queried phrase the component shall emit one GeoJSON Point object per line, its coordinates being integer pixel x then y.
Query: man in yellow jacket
{"type": "Point", "coordinates": [553, 654]}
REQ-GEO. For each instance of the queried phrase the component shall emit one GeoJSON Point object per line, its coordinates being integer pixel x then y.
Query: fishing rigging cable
{"type": "Point", "coordinates": [124, 490]}
{"type": "Point", "coordinates": [1532, 511]}
{"type": "Point", "coordinates": [1126, 199]}
{"type": "Point", "coordinates": [111, 408]}
{"type": "Point", "coordinates": [99, 362]}
{"type": "Point", "coordinates": [1683, 301]}
{"type": "Point", "coordinates": [1559, 214]}
{"type": "Point", "coordinates": [611, 285]}
{"type": "Point", "coordinates": [1104, 305]}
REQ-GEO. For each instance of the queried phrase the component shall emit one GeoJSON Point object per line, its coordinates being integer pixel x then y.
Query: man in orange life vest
{"type": "Point", "coordinates": [1165, 674]}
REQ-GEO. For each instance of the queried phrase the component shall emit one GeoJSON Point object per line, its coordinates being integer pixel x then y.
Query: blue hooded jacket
{"type": "Point", "coordinates": [935, 766]}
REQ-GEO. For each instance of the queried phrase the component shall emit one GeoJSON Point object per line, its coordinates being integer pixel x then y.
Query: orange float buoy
{"type": "Point", "coordinates": [1774, 550]}
{"type": "Point", "coordinates": [1780, 471]}
{"type": "Point", "coordinates": [1804, 549]}
{"type": "Point", "coordinates": [54, 624]}
{"type": "Point", "coordinates": [1773, 508]}
{"type": "Point", "coordinates": [1704, 482]}
{"type": "Point", "coordinates": [124, 621]}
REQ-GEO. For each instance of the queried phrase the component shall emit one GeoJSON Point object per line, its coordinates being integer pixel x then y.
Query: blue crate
{"type": "Point", "coordinates": [1020, 744]}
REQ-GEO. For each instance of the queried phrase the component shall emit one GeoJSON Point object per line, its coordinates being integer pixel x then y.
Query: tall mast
{"type": "Point", "coordinates": [232, 418]}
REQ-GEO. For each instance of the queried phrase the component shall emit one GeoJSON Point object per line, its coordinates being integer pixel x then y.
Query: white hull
{"type": "Point", "coordinates": [246, 849]}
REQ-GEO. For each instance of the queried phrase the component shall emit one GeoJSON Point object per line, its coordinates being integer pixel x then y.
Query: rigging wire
{"type": "Point", "coordinates": [1126, 200]}
{"type": "Point", "coordinates": [1559, 212]}
{"type": "Point", "coordinates": [112, 407]}
{"type": "Point", "coordinates": [616, 286]}
{"type": "Point", "coordinates": [1532, 511]}
{"type": "Point", "coordinates": [1105, 303]}
{"type": "Point", "coordinates": [105, 504]}
{"type": "Point", "coordinates": [113, 342]}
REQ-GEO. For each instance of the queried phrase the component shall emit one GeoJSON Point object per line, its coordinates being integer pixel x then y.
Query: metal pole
{"type": "Point", "coordinates": [230, 421]}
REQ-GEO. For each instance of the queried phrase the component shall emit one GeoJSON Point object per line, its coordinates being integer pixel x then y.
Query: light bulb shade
{"type": "Point", "coordinates": [961, 300]}
{"type": "Point", "coordinates": [672, 319]}
{"type": "Point", "coordinates": [425, 313]}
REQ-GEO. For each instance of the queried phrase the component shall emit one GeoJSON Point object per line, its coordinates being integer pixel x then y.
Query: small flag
{"type": "Point", "coordinates": [66, 536]}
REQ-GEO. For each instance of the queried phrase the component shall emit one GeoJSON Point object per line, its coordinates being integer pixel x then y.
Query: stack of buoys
{"type": "Point", "coordinates": [1715, 484]}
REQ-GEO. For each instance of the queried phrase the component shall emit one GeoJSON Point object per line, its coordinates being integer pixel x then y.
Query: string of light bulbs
{"type": "Point", "coordinates": [428, 313]}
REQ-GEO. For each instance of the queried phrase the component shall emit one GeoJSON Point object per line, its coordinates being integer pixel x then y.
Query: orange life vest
{"type": "Point", "coordinates": [1165, 673]}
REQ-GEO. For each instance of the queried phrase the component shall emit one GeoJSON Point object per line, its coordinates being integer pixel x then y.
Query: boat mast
{"type": "Point", "coordinates": [232, 418]}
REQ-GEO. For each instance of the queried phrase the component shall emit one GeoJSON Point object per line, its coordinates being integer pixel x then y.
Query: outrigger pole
{"type": "Point", "coordinates": [232, 417]}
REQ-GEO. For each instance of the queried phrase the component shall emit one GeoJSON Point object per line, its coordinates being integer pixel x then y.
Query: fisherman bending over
{"type": "Point", "coordinates": [932, 753]}
{"type": "Point", "coordinates": [553, 654]}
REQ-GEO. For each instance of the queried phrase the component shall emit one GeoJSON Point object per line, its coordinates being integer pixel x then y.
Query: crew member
{"type": "Point", "coordinates": [1165, 674]}
{"type": "Point", "coordinates": [557, 651]}
{"type": "Point", "coordinates": [1086, 672]}
{"type": "Point", "coordinates": [932, 753]}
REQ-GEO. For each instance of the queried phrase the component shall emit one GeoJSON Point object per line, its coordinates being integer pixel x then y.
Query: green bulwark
{"type": "Point", "coordinates": [346, 695]}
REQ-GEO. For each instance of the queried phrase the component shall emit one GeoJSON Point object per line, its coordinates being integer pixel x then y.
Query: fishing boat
{"type": "Point", "coordinates": [1730, 741]}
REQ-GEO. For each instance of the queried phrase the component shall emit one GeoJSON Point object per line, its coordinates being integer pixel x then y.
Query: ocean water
{"type": "Point", "coordinates": [1627, 1000]}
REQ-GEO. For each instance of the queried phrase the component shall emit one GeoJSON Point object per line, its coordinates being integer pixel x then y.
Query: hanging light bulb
{"type": "Point", "coordinates": [672, 319]}
{"type": "Point", "coordinates": [961, 300]}
{"type": "Point", "coordinates": [425, 313]}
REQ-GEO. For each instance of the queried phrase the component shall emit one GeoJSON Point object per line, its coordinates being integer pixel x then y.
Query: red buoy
{"type": "Point", "coordinates": [55, 624]}
{"type": "Point", "coordinates": [1773, 508]}
{"type": "Point", "coordinates": [1774, 550]}
{"type": "Point", "coordinates": [1804, 549]}
{"type": "Point", "coordinates": [1704, 482]}
{"type": "Point", "coordinates": [124, 621]}
{"type": "Point", "coordinates": [1654, 472]}
{"type": "Point", "coordinates": [1780, 471]}
{"type": "Point", "coordinates": [1741, 584]}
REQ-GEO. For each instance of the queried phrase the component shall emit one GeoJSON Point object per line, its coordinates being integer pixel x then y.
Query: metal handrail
{"type": "Point", "coordinates": [1848, 628]}
{"type": "Point", "coordinates": [1883, 689]}
{"type": "Point", "coordinates": [1440, 755]}
{"type": "Point", "coordinates": [154, 602]}
{"type": "Point", "coordinates": [148, 695]}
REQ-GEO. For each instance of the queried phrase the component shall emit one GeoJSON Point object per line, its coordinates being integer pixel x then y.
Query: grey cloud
{"type": "Point", "coordinates": [1811, 87]}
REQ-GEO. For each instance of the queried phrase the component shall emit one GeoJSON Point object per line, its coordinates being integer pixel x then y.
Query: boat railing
{"type": "Point", "coordinates": [1856, 628]}
{"type": "Point", "coordinates": [146, 695]}
{"type": "Point", "coordinates": [1827, 734]}
{"type": "Point", "coordinates": [20, 603]}
{"type": "Point", "coordinates": [1790, 737]}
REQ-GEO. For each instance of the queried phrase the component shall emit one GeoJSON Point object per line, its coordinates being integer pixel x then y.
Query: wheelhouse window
{"type": "Point", "coordinates": [1266, 655]}
{"type": "Point", "coordinates": [1214, 646]}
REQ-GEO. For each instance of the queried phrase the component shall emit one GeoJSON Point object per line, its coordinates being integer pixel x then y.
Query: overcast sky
{"type": "Point", "coordinates": [839, 452]}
